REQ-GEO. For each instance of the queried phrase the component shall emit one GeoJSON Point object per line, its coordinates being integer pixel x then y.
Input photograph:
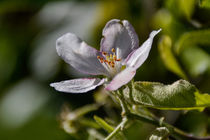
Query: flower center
{"type": "Point", "coordinates": [110, 62]}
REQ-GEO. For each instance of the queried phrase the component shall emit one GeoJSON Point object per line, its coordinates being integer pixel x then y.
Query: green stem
{"type": "Point", "coordinates": [175, 132]}
{"type": "Point", "coordinates": [85, 109]}
{"type": "Point", "coordinates": [127, 114]}
{"type": "Point", "coordinates": [117, 129]}
{"type": "Point", "coordinates": [122, 103]}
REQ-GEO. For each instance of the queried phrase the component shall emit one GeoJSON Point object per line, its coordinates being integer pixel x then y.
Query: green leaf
{"type": "Point", "coordinates": [183, 7]}
{"type": "Point", "coordinates": [168, 57]}
{"type": "Point", "coordinates": [103, 124]}
{"type": "Point", "coordinates": [180, 95]}
{"type": "Point", "coordinates": [194, 38]}
{"type": "Point", "coordinates": [205, 3]}
{"type": "Point", "coordinates": [187, 7]}
{"type": "Point", "coordinates": [171, 26]}
{"type": "Point", "coordinates": [108, 127]}
{"type": "Point", "coordinates": [160, 133]}
{"type": "Point", "coordinates": [200, 63]}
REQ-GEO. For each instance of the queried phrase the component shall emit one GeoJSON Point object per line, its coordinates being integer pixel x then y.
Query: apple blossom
{"type": "Point", "coordinates": [118, 59]}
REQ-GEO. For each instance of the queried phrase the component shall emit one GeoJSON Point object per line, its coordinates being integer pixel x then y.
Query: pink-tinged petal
{"type": "Point", "coordinates": [136, 58]}
{"type": "Point", "coordinates": [78, 85]}
{"type": "Point", "coordinates": [78, 54]}
{"type": "Point", "coordinates": [121, 79]}
{"type": "Point", "coordinates": [121, 36]}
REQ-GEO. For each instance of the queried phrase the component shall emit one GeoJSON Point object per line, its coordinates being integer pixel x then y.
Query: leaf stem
{"type": "Point", "coordinates": [117, 129]}
{"type": "Point", "coordinates": [122, 104]}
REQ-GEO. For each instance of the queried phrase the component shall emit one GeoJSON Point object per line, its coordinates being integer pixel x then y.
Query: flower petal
{"type": "Point", "coordinates": [121, 79]}
{"type": "Point", "coordinates": [78, 85]}
{"type": "Point", "coordinates": [136, 58]}
{"type": "Point", "coordinates": [121, 36]}
{"type": "Point", "coordinates": [78, 54]}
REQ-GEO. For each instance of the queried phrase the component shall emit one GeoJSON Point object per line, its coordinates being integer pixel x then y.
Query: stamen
{"type": "Point", "coordinates": [113, 50]}
{"type": "Point", "coordinates": [109, 61]}
{"type": "Point", "coordinates": [104, 53]}
{"type": "Point", "coordinates": [106, 61]}
{"type": "Point", "coordinates": [100, 59]}
{"type": "Point", "coordinates": [112, 62]}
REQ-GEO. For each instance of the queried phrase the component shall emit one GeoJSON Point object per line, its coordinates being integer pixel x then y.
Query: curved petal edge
{"type": "Point", "coordinates": [121, 36]}
{"type": "Point", "coordinates": [79, 55]}
{"type": "Point", "coordinates": [136, 58]}
{"type": "Point", "coordinates": [78, 85]}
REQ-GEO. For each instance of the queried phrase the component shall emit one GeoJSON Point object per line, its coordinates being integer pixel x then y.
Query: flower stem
{"type": "Point", "coordinates": [117, 129]}
{"type": "Point", "coordinates": [124, 113]}
{"type": "Point", "coordinates": [122, 104]}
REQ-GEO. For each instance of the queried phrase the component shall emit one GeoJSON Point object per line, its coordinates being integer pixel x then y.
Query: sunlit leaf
{"type": "Point", "coordinates": [170, 25]}
{"type": "Point", "coordinates": [180, 95]}
{"type": "Point", "coordinates": [160, 133]}
{"type": "Point", "coordinates": [195, 60]}
{"type": "Point", "coordinates": [194, 38]}
{"type": "Point", "coordinates": [168, 57]}
{"type": "Point", "coordinates": [183, 7]}
{"type": "Point", "coordinates": [187, 7]}
{"type": "Point", "coordinates": [205, 3]}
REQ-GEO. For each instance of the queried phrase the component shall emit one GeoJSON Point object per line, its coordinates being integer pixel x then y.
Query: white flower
{"type": "Point", "coordinates": [118, 58]}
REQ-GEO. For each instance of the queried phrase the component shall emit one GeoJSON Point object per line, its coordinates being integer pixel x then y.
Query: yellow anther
{"type": "Point", "coordinates": [113, 50]}
{"type": "Point", "coordinates": [109, 58]}
{"type": "Point", "coordinates": [106, 61]}
{"type": "Point", "coordinates": [104, 53]}
{"type": "Point", "coordinates": [112, 62]}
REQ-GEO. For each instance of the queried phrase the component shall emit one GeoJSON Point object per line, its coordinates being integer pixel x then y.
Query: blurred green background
{"type": "Point", "coordinates": [29, 108]}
